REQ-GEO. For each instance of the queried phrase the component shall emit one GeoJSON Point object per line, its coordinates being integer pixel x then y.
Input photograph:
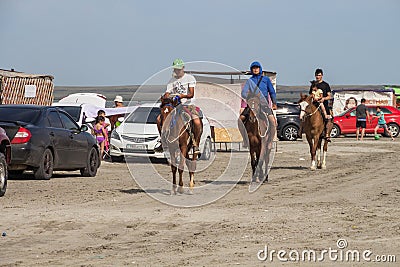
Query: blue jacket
{"type": "Point", "coordinates": [265, 86]}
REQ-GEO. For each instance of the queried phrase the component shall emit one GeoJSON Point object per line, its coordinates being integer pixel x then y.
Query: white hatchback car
{"type": "Point", "coordinates": [137, 135]}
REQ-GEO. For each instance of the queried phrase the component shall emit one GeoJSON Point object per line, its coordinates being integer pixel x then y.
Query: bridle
{"type": "Point", "coordinates": [307, 114]}
{"type": "Point", "coordinates": [255, 111]}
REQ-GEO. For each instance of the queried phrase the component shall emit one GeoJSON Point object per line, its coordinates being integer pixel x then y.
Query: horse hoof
{"type": "Point", "coordinates": [313, 168]}
{"type": "Point", "coordinates": [323, 167]}
{"type": "Point", "coordinates": [180, 190]}
{"type": "Point", "coordinates": [173, 190]}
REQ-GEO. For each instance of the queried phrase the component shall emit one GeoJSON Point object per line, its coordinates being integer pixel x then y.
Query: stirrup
{"type": "Point", "coordinates": [196, 150]}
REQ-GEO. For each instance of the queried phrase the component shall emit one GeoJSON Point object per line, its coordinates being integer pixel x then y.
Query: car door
{"type": "Point", "coordinates": [78, 145]}
{"type": "Point", "coordinates": [373, 120]}
{"type": "Point", "coordinates": [58, 138]}
{"type": "Point", "coordinates": [349, 122]}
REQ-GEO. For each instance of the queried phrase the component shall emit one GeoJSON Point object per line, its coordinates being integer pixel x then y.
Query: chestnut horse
{"type": "Point", "coordinates": [177, 138]}
{"type": "Point", "coordinates": [313, 127]}
{"type": "Point", "coordinates": [259, 138]}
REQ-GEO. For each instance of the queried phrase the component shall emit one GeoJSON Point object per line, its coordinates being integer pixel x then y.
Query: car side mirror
{"type": "Point", "coordinates": [84, 128]}
{"type": "Point", "coordinates": [348, 115]}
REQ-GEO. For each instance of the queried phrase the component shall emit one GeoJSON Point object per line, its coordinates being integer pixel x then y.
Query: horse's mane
{"type": "Point", "coordinates": [305, 97]}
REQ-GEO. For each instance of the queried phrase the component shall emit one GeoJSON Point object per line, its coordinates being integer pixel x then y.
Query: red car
{"type": "Point", "coordinates": [345, 123]}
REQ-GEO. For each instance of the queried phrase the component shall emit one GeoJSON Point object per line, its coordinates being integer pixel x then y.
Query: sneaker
{"type": "Point", "coordinates": [158, 147]}
{"type": "Point", "coordinates": [196, 150]}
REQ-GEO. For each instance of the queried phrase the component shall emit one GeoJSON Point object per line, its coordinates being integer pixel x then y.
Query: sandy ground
{"type": "Point", "coordinates": [109, 221]}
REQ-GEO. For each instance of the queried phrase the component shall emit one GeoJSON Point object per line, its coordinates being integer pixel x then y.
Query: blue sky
{"type": "Point", "coordinates": [99, 42]}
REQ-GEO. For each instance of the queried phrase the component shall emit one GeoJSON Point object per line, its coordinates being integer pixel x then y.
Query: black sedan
{"type": "Point", "coordinates": [46, 139]}
{"type": "Point", "coordinates": [288, 118]}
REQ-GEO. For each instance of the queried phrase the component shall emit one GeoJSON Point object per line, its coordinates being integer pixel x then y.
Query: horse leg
{"type": "Point", "coordinates": [173, 169]}
{"type": "Point", "coordinates": [191, 164]}
{"type": "Point", "coordinates": [256, 169]}
{"type": "Point", "coordinates": [312, 143]}
{"type": "Point", "coordinates": [262, 159]}
{"type": "Point", "coordinates": [268, 150]}
{"type": "Point", "coordinates": [182, 160]}
{"type": "Point", "coordinates": [253, 161]}
{"type": "Point", "coordinates": [319, 153]}
{"type": "Point", "coordinates": [325, 151]}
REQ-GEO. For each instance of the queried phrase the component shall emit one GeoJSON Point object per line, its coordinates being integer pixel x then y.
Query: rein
{"type": "Point", "coordinates": [182, 132]}
{"type": "Point", "coordinates": [312, 113]}
{"type": "Point", "coordinates": [258, 122]}
{"type": "Point", "coordinates": [266, 130]}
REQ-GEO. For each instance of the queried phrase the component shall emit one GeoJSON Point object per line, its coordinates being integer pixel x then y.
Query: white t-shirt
{"type": "Point", "coordinates": [181, 86]}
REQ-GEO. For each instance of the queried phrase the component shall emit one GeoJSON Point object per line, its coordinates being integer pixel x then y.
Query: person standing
{"type": "Point", "coordinates": [326, 96]}
{"type": "Point", "coordinates": [362, 115]}
{"type": "Point", "coordinates": [118, 102]}
{"type": "Point", "coordinates": [116, 119]}
{"type": "Point", "coordinates": [381, 124]}
{"type": "Point", "coordinates": [99, 132]}
{"type": "Point", "coordinates": [262, 84]}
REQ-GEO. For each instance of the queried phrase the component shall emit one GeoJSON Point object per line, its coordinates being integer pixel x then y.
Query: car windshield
{"type": "Point", "coordinates": [144, 115]}
{"type": "Point", "coordinates": [73, 111]}
{"type": "Point", "coordinates": [26, 115]}
{"type": "Point", "coordinates": [287, 108]}
{"type": "Point", "coordinates": [344, 112]}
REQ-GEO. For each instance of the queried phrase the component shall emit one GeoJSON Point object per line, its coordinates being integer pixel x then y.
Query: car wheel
{"type": "Point", "coordinates": [92, 164]}
{"type": "Point", "coordinates": [3, 175]}
{"type": "Point", "coordinates": [207, 150]}
{"type": "Point", "coordinates": [289, 133]}
{"type": "Point", "coordinates": [394, 129]}
{"type": "Point", "coordinates": [335, 132]}
{"type": "Point", "coordinates": [46, 165]}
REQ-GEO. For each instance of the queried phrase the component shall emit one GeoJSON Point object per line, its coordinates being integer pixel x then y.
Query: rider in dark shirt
{"type": "Point", "coordinates": [327, 95]}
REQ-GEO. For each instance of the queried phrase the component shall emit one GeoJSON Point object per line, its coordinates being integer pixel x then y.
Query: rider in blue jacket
{"type": "Point", "coordinates": [258, 83]}
{"type": "Point", "coordinates": [265, 86]}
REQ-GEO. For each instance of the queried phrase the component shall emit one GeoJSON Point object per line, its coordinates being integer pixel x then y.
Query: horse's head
{"type": "Point", "coordinates": [166, 107]}
{"type": "Point", "coordinates": [304, 102]}
{"type": "Point", "coordinates": [253, 102]}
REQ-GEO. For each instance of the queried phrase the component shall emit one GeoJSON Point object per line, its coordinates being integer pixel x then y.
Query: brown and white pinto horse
{"type": "Point", "coordinates": [177, 137]}
{"type": "Point", "coordinates": [313, 127]}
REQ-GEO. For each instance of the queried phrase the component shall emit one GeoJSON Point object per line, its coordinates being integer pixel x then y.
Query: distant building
{"type": "Point", "coordinates": [23, 88]}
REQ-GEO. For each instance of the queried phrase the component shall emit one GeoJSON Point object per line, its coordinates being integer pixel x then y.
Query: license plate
{"type": "Point", "coordinates": [137, 147]}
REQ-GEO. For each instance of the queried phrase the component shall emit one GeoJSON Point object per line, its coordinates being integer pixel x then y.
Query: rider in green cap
{"type": "Point", "coordinates": [182, 85]}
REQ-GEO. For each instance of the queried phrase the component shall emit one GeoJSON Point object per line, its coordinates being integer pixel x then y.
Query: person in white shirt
{"type": "Point", "coordinates": [182, 86]}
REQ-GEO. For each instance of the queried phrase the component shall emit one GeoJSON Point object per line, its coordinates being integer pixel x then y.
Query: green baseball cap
{"type": "Point", "coordinates": [178, 64]}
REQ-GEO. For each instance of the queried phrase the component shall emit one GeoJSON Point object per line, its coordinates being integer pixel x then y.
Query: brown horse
{"type": "Point", "coordinates": [257, 128]}
{"type": "Point", "coordinates": [313, 127]}
{"type": "Point", "coordinates": [177, 138]}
